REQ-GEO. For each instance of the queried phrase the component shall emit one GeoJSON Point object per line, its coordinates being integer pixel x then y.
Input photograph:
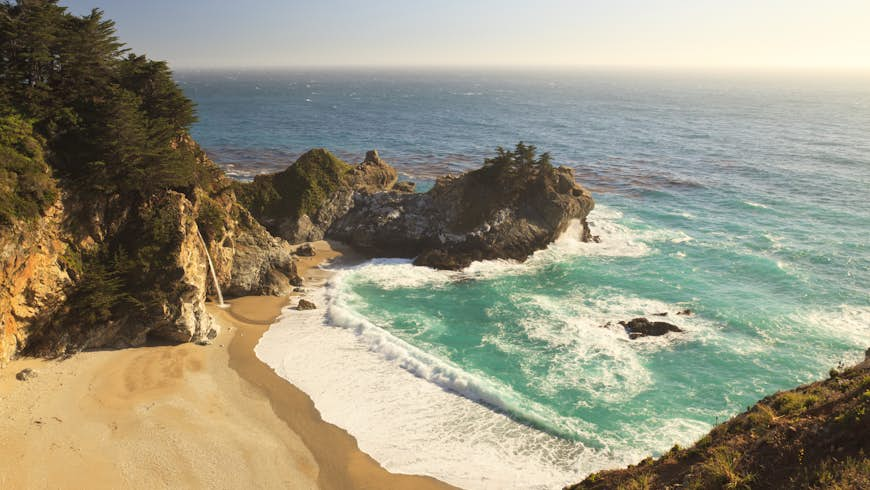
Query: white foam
{"type": "Point", "coordinates": [617, 240]}
{"type": "Point", "coordinates": [409, 424]}
{"type": "Point", "coordinates": [404, 406]}
{"type": "Point", "coordinates": [847, 323]}
{"type": "Point", "coordinates": [756, 204]}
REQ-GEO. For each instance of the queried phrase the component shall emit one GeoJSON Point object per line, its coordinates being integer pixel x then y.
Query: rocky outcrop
{"type": "Point", "coordinates": [496, 212]}
{"type": "Point", "coordinates": [248, 259]}
{"type": "Point", "coordinates": [301, 203]}
{"type": "Point", "coordinates": [304, 304]}
{"type": "Point", "coordinates": [33, 277]}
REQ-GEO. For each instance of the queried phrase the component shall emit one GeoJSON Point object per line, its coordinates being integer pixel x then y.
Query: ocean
{"type": "Point", "coordinates": [743, 198]}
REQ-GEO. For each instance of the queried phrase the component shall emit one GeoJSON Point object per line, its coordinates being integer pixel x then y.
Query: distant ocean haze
{"type": "Point", "coordinates": [742, 198]}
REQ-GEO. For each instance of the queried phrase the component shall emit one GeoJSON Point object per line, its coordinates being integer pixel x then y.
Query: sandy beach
{"type": "Point", "coordinates": [180, 416]}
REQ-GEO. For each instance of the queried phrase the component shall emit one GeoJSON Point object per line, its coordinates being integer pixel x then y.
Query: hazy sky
{"type": "Point", "coordinates": [666, 33]}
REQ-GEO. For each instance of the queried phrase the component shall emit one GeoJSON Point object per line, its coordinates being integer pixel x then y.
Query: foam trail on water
{"type": "Point", "coordinates": [412, 425]}
{"type": "Point", "coordinates": [441, 372]}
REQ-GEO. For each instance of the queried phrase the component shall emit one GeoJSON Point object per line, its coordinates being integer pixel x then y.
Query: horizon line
{"type": "Point", "coordinates": [530, 67]}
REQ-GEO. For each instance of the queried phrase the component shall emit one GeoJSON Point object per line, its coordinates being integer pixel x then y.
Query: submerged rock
{"type": "Point", "coordinates": [26, 374]}
{"type": "Point", "coordinates": [641, 327]}
{"type": "Point", "coordinates": [304, 304]}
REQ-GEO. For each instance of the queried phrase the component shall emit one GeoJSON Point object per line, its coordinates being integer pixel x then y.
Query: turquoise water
{"type": "Point", "coordinates": [742, 198]}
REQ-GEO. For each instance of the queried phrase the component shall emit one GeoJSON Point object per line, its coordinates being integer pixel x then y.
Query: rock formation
{"type": "Point", "coordinates": [641, 327]}
{"type": "Point", "coordinates": [33, 277]}
{"type": "Point", "coordinates": [490, 213]}
{"type": "Point", "coordinates": [504, 211]}
{"type": "Point", "coordinates": [300, 203]}
{"type": "Point", "coordinates": [144, 258]}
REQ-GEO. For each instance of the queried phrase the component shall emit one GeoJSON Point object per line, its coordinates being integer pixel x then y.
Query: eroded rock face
{"type": "Point", "coordinates": [32, 277]}
{"type": "Point", "coordinates": [182, 317]}
{"type": "Point", "coordinates": [248, 259]}
{"type": "Point", "coordinates": [485, 214]}
{"type": "Point", "coordinates": [115, 270]}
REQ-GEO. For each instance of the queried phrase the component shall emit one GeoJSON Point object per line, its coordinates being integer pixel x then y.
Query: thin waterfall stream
{"type": "Point", "coordinates": [214, 278]}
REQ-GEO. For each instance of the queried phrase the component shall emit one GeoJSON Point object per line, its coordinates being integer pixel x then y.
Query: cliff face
{"type": "Point", "coordinates": [247, 258]}
{"type": "Point", "coordinates": [32, 277]}
{"type": "Point", "coordinates": [117, 271]}
{"type": "Point", "coordinates": [815, 436]}
{"type": "Point", "coordinates": [488, 213]}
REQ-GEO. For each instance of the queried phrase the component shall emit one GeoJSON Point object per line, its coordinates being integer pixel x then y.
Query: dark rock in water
{"type": "Point", "coordinates": [685, 312]}
{"type": "Point", "coordinates": [305, 250]}
{"type": "Point", "coordinates": [299, 290]}
{"type": "Point", "coordinates": [26, 374]}
{"type": "Point", "coordinates": [296, 281]}
{"type": "Point", "coordinates": [641, 327]}
{"type": "Point", "coordinates": [664, 313]}
{"type": "Point", "coordinates": [304, 304]}
{"type": "Point", "coordinates": [405, 186]}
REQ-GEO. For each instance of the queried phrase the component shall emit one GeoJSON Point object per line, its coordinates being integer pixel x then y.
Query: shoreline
{"type": "Point", "coordinates": [181, 415]}
{"type": "Point", "coordinates": [342, 463]}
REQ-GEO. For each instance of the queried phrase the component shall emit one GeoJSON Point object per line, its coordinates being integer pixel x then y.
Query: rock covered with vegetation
{"type": "Point", "coordinates": [515, 204]}
{"type": "Point", "coordinates": [103, 196]}
{"type": "Point", "coordinates": [816, 436]}
{"type": "Point", "coordinates": [300, 203]}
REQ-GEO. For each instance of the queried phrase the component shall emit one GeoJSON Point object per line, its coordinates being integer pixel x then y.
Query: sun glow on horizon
{"type": "Point", "coordinates": [739, 34]}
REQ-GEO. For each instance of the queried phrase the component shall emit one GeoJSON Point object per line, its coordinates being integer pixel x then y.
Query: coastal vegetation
{"type": "Point", "coordinates": [100, 135]}
{"type": "Point", "coordinates": [26, 186]}
{"type": "Point", "coordinates": [816, 436]}
{"type": "Point", "coordinates": [302, 188]}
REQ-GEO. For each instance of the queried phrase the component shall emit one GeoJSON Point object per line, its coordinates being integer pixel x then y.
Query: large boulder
{"type": "Point", "coordinates": [641, 327]}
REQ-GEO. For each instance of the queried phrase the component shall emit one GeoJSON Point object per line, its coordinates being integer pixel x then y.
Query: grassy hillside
{"type": "Point", "coordinates": [816, 437]}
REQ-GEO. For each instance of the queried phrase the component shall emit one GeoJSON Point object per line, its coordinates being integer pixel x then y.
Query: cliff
{"type": "Point", "coordinates": [33, 278]}
{"type": "Point", "coordinates": [122, 270]}
{"type": "Point", "coordinates": [815, 436]}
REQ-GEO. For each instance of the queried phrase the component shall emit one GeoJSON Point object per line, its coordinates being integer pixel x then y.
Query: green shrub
{"type": "Point", "coordinates": [721, 470]}
{"type": "Point", "coordinates": [793, 402]}
{"type": "Point", "coordinates": [211, 218]}
{"type": "Point", "coordinates": [26, 186]}
{"type": "Point", "coordinates": [640, 482]}
{"type": "Point", "coordinates": [301, 189]}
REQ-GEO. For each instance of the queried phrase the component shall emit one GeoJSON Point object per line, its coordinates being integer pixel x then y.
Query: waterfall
{"type": "Point", "coordinates": [211, 268]}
